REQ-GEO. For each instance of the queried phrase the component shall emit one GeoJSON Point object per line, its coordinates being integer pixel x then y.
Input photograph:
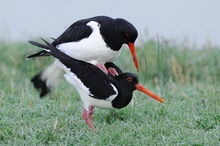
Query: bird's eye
{"type": "Point", "coordinates": [129, 79]}
{"type": "Point", "coordinates": [127, 35]}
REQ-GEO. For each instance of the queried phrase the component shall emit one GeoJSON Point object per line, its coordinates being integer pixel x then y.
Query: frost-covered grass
{"type": "Point", "coordinates": [187, 79]}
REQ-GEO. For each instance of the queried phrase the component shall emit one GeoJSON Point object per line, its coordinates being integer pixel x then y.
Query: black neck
{"type": "Point", "coordinates": [111, 36]}
{"type": "Point", "coordinates": [123, 98]}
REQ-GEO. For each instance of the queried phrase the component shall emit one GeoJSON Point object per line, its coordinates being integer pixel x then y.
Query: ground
{"type": "Point", "coordinates": [186, 78]}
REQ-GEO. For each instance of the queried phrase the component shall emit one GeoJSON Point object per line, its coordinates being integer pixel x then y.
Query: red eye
{"type": "Point", "coordinates": [129, 79]}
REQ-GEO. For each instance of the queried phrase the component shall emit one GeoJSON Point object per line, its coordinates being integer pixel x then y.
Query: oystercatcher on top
{"type": "Point", "coordinates": [95, 88]}
{"type": "Point", "coordinates": [96, 40]}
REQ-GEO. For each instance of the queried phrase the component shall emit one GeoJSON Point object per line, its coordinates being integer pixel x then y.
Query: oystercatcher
{"type": "Point", "coordinates": [96, 40]}
{"type": "Point", "coordinates": [95, 88]}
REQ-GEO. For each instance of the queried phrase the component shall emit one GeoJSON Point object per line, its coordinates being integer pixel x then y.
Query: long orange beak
{"type": "Point", "coordinates": [133, 53]}
{"type": "Point", "coordinates": [148, 92]}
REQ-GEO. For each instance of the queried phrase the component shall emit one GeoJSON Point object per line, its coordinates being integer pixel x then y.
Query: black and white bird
{"type": "Point", "coordinates": [96, 40]}
{"type": "Point", "coordinates": [95, 88]}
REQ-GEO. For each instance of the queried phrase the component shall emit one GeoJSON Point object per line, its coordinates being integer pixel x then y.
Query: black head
{"type": "Point", "coordinates": [126, 30]}
{"type": "Point", "coordinates": [126, 84]}
{"type": "Point", "coordinates": [127, 34]}
{"type": "Point", "coordinates": [128, 81]}
{"type": "Point", "coordinates": [118, 32]}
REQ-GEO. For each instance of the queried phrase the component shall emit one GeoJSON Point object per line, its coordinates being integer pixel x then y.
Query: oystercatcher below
{"type": "Point", "coordinates": [96, 40]}
{"type": "Point", "coordinates": [95, 88]}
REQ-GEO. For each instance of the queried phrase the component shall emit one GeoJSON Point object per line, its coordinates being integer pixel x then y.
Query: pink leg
{"type": "Point", "coordinates": [112, 71]}
{"type": "Point", "coordinates": [102, 67]}
{"type": "Point", "coordinates": [91, 112]}
{"type": "Point", "coordinates": [88, 118]}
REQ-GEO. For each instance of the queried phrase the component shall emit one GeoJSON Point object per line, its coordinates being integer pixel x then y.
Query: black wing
{"type": "Point", "coordinates": [77, 31]}
{"type": "Point", "coordinates": [91, 76]}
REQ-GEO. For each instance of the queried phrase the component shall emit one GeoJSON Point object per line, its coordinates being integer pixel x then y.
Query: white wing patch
{"type": "Point", "coordinates": [112, 97]}
{"type": "Point", "coordinates": [72, 79]}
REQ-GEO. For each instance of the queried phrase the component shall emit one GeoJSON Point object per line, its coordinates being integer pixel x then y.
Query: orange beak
{"type": "Point", "coordinates": [148, 92]}
{"type": "Point", "coordinates": [133, 53]}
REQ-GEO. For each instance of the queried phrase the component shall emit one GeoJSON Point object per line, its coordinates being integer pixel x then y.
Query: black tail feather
{"type": "Point", "coordinates": [40, 85]}
{"type": "Point", "coordinates": [39, 54]}
{"type": "Point", "coordinates": [49, 49]}
{"type": "Point", "coordinates": [53, 38]}
{"type": "Point", "coordinates": [52, 50]}
{"type": "Point", "coordinates": [38, 44]}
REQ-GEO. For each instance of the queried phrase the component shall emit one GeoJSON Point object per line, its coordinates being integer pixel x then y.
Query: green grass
{"type": "Point", "coordinates": [186, 78]}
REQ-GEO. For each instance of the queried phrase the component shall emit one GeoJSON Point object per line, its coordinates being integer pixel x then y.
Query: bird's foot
{"type": "Point", "coordinates": [112, 71]}
{"type": "Point", "coordinates": [91, 112]}
{"type": "Point", "coordinates": [88, 118]}
{"type": "Point", "coordinates": [102, 67]}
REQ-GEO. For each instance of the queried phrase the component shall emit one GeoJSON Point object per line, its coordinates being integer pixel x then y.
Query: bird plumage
{"type": "Point", "coordinates": [96, 40]}
{"type": "Point", "coordinates": [97, 89]}
{"type": "Point", "coordinates": [118, 29]}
